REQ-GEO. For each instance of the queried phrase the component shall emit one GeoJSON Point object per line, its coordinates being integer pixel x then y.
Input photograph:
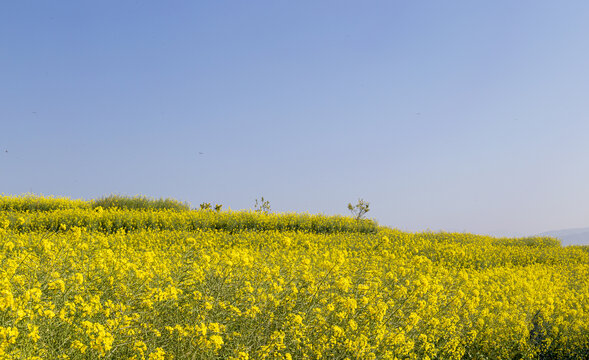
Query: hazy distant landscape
{"type": "Point", "coordinates": [578, 236]}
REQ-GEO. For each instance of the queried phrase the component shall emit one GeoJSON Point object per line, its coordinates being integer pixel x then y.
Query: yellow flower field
{"type": "Point", "coordinates": [85, 282]}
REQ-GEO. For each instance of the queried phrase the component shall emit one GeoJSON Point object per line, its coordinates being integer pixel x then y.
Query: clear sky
{"type": "Point", "coordinates": [444, 115]}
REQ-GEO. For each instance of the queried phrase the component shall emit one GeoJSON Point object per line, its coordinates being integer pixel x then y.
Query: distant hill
{"type": "Point", "coordinates": [567, 237]}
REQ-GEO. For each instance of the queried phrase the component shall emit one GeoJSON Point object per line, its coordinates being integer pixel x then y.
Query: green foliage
{"type": "Point", "coordinates": [139, 203]}
{"type": "Point", "coordinates": [360, 209]}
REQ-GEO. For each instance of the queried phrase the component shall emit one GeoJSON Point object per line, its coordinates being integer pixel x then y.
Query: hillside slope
{"type": "Point", "coordinates": [130, 283]}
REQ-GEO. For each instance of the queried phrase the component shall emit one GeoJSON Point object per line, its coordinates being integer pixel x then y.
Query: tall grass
{"type": "Point", "coordinates": [139, 203]}
{"type": "Point", "coordinates": [114, 219]}
{"type": "Point", "coordinates": [32, 203]}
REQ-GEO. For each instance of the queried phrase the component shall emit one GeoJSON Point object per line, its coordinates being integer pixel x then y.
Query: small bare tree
{"type": "Point", "coordinates": [262, 205]}
{"type": "Point", "coordinates": [360, 209]}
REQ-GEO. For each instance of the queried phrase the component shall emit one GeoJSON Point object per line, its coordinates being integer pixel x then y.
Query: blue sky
{"type": "Point", "coordinates": [454, 115]}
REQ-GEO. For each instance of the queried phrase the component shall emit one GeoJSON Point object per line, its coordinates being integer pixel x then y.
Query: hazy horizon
{"type": "Point", "coordinates": [454, 116]}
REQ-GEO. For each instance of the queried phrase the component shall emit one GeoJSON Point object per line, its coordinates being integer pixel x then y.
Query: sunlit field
{"type": "Point", "coordinates": [152, 279]}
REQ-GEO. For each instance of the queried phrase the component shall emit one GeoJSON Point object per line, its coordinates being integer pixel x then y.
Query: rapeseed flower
{"type": "Point", "coordinates": [122, 283]}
